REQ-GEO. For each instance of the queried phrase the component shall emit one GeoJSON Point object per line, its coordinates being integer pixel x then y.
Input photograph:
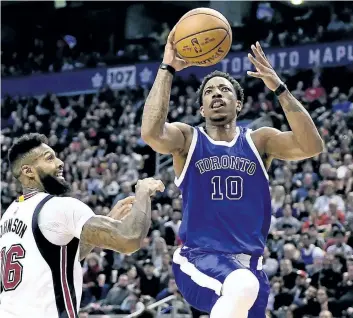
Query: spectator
{"type": "Point", "coordinates": [299, 92]}
{"type": "Point", "coordinates": [323, 300]}
{"type": "Point", "coordinates": [93, 279]}
{"type": "Point", "coordinates": [159, 248]}
{"type": "Point", "coordinates": [342, 104]}
{"type": "Point", "coordinates": [325, 314]}
{"type": "Point", "coordinates": [165, 271]}
{"type": "Point", "coordinates": [308, 304]}
{"type": "Point", "coordinates": [278, 196]}
{"type": "Point", "coordinates": [149, 283]}
{"type": "Point", "coordinates": [316, 92]}
{"type": "Point", "coordinates": [335, 23]}
{"type": "Point", "coordinates": [270, 265]}
{"type": "Point", "coordinates": [112, 303]}
{"type": "Point", "coordinates": [287, 224]}
{"type": "Point", "coordinates": [175, 222]}
{"type": "Point", "coordinates": [126, 191]}
{"type": "Point", "coordinates": [309, 252]}
{"type": "Point", "coordinates": [321, 204]}
{"type": "Point", "coordinates": [291, 252]}
{"type": "Point", "coordinates": [326, 276]}
{"type": "Point", "coordinates": [172, 289]}
{"type": "Point", "coordinates": [301, 285]}
{"type": "Point", "coordinates": [288, 274]}
{"type": "Point", "coordinates": [340, 247]}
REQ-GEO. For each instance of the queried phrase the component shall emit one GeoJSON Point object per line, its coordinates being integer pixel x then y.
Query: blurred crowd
{"type": "Point", "coordinates": [273, 24]}
{"type": "Point", "coordinates": [309, 255]}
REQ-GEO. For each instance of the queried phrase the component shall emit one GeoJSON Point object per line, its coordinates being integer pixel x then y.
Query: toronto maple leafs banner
{"type": "Point", "coordinates": [297, 57]}
{"type": "Point", "coordinates": [89, 80]}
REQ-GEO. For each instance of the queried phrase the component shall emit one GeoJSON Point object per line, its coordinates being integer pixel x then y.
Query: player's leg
{"type": "Point", "coordinates": [193, 290]}
{"type": "Point", "coordinates": [258, 310]}
{"type": "Point", "coordinates": [215, 283]}
{"type": "Point", "coordinates": [239, 292]}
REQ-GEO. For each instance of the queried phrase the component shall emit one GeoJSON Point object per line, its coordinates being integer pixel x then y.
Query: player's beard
{"type": "Point", "coordinates": [53, 185]}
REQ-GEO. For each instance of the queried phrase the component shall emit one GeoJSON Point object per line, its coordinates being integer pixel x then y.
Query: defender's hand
{"type": "Point", "coordinates": [264, 69]}
{"type": "Point", "coordinates": [122, 208]}
{"type": "Point", "coordinates": [151, 185]}
{"type": "Point", "coordinates": [170, 54]}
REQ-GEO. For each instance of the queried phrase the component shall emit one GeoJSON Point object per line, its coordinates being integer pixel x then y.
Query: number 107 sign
{"type": "Point", "coordinates": [121, 77]}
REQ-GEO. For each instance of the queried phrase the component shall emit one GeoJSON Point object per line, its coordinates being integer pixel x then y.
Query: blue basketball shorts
{"type": "Point", "coordinates": [200, 276]}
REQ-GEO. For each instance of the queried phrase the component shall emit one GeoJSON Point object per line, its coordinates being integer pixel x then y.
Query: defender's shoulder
{"type": "Point", "coordinates": [67, 203]}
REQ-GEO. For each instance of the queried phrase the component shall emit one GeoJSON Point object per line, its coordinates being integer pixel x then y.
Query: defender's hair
{"type": "Point", "coordinates": [238, 89]}
{"type": "Point", "coordinates": [23, 146]}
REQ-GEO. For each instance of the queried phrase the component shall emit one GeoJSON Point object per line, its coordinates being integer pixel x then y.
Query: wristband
{"type": "Point", "coordinates": [280, 89]}
{"type": "Point", "coordinates": [167, 67]}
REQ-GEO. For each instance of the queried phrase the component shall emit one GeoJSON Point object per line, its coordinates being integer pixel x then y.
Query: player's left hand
{"type": "Point", "coordinates": [122, 208]}
{"type": "Point", "coordinates": [263, 67]}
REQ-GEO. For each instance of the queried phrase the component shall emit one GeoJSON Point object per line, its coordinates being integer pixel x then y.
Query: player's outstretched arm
{"type": "Point", "coordinates": [304, 140]}
{"type": "Point", "coordinates": [120, 210]}
{"type": "Point", "coordinates": [125, 235]}
{"type": "Point", "coordinates": [161, 136]}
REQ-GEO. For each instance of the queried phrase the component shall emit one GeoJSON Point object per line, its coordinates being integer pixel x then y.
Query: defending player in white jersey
{"type": "Point", "coordinates": [43, 236]}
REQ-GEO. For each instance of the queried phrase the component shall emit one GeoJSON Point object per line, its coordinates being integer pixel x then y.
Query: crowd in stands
{"type": "Point", "coordinates": [309, 255]}
{"type": "Point", "coordinates": [273, 24]}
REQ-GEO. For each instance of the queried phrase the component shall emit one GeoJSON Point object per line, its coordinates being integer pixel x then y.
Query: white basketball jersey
{"type": "Point", "coordinates": [38, 279]}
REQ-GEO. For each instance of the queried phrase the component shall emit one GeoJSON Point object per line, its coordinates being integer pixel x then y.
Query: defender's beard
{"type": "Point", "coordinates": [53, 185]}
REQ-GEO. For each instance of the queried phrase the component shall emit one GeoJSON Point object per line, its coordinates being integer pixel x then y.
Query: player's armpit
{"type": "Point", "coordinates": [281, 145]}
{"type": "Point", "coordinates": [175, 138]}
{"type": "Point", "coordinates": [104, 232]}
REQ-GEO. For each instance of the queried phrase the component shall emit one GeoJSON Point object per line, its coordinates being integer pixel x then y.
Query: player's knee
{"type": "Point", "coordinates": [242, 285]}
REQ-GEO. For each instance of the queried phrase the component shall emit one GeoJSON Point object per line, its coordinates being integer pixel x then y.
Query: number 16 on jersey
{"type": "Point", "coordinates": [11, 269]}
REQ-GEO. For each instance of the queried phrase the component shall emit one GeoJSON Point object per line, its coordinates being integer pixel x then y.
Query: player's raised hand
{"type": "Point", "coordinates": [264, 70]}
{"type": "Point", "coordinates": [170, 54]}
{"type": "Point", "coordinates": [122, 208]}
{"type": "Point", "coordinates": [151, 185]}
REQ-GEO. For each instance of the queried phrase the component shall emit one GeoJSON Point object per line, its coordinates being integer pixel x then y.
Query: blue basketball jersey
{"type": "Point", "coordinates": [226, 197]}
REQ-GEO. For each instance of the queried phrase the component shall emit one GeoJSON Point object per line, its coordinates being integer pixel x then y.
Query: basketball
{"type": "Point", "coordinates": [203, 37]}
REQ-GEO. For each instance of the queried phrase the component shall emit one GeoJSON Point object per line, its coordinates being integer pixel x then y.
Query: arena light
{"type": "Point", "coordinates": [59, 4]}
{"type": "Point", "coordinates": [296, 2]}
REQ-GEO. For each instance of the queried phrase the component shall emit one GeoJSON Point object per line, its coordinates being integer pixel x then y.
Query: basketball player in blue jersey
{"type": "Point", "coordinates": [221, 171]}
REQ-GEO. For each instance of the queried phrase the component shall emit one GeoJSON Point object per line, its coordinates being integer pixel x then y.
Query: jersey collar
{"type": "Point", "coordinates": [26, 196]}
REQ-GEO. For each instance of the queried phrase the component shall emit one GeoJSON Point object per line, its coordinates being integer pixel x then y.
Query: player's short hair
{"type": "Point", "coordinates": [21, 147]}
{"type": "Point", "coordinates": [238, 89]}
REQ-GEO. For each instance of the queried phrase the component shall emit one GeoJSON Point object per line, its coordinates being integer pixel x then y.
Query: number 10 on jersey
{"type": "Point", "coordinates": [230, 188]}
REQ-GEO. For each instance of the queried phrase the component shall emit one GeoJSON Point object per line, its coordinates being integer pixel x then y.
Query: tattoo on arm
{"type": "Point", "coordinates": [125, 236]}
{"type": "Point", "coordinates": [104, 232]}
{"type": "Point", "coordinates": [303, 127]}
{"type": "Point", "coordinates": [156, 107]}
{"type": "Point", "coordinates": [85, 249]}
{"type": "Point", "coordinates": [290, 104]}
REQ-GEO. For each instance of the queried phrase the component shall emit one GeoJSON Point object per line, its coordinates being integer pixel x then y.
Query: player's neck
{"type": "Point", "coordinates": [26, 190]}
{"type": "Point", "coordinates": [221, 133]}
